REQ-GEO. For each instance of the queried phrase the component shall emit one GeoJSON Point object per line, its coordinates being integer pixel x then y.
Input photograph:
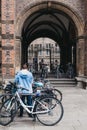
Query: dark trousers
{"type": "Point", "coordinates": [29, 102]}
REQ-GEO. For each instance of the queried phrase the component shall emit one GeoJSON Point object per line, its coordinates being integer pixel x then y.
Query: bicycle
{"type": "Point", "coordinates": [56, 92]}
{"type": "Point", "coordinates": [47, 109]}
{"type": "Point", "coordinates": [7, 91]}
{"type": "Point", "coordinates": [47, 86]}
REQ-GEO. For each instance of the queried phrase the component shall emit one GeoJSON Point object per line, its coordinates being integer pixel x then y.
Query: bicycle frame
{"type": "Point", "coordinates": [33, 105]}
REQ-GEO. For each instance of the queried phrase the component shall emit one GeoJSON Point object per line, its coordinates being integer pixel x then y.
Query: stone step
{"type": "Point", "coordinates": [60, 82]}
{"type": "Point", "coordinates": [63, 85]}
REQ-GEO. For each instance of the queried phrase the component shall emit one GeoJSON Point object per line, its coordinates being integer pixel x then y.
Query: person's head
{"type": "Point", "coordinates": [56, 61]}
{"type": "Point", "coordinates": [25, 66]}
{"type": "Point", "coordinates": [42, 60]}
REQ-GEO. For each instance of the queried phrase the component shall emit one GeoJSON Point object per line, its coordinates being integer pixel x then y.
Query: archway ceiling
{"type": "Point", "coordinates": [52, 24]}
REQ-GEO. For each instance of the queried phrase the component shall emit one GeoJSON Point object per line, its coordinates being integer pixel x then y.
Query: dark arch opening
{"type": "Point", "coordinates": [55, 25]}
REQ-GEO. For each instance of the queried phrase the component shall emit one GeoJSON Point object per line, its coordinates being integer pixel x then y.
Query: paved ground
{"type": "Point", "coordinates": [75, 113]}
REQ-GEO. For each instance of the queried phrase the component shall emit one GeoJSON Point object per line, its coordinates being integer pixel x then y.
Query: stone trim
{"type": "Point", "coordinates": [7, 47]}
{"type": "Point", "coordinates": [8, 65]}
{"type": "Point", "coordinates": [7, 36]}
{"type": "Point", "coordinates": [81, 37]}
{"type": "Point", "coordinates": [18, 37]}
{"type": "Point", "coordinates": [81, 81]}
{"type": "Point", "coordinates": [7, 21]}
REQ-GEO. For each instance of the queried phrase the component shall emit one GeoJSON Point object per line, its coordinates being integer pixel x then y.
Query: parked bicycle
{"type": "Point", "coordinates": [7, 91]}
{"type": "Point", "coordinates": [47, 87]}
{"type": "Point", "coordinates": [47, 109]}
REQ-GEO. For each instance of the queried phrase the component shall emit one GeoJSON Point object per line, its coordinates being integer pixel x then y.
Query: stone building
{"type": "Point", "coordinates": [22, 21]}
{"type": "Point", "coordinates": [43, 48]}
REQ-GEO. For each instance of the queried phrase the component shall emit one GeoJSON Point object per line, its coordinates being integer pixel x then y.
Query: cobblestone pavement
{"type": "Point", "coordinates": [75, 113]}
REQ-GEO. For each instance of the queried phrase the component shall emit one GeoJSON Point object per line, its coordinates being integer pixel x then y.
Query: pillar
{"type": "Point", "coordinates": [80, 56]}
{"type": "Point", "coordinates": [8, 51]}
{"type": "Point", "coordinates": [17, 54]}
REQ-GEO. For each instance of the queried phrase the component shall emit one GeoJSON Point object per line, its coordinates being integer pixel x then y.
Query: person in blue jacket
{"type": "Point", "coordinates": [24, 79]}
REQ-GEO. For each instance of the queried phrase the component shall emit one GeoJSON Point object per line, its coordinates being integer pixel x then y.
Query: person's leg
{"type": "Point", "coordinates": [21, 108]}
{"type": "Point", "coordinates": [29, 102]}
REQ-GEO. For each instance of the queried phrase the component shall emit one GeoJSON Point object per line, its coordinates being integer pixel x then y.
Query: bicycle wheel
{"type": "Point", "coordinates": [54, 113]}
{"type": "Point", "coordinates": [3, 98]}
{"type": "Point", "coordinates": [57, 94]}
{"type": "Point", "coordinates": [7, 111]}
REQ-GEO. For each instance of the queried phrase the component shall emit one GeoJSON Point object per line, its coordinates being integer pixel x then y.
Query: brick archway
{"type": "Point", "coordinates": [55, 5]}
{"type": "Point", "coordinates": [79, 25]}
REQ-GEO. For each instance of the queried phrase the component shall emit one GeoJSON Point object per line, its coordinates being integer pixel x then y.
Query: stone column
{"type": "Point", "coordinates": [8, 55]}
{"type": "Point", "coordinates": [17, 54]}
{"type": "Point", "coordinates": [80, 55]}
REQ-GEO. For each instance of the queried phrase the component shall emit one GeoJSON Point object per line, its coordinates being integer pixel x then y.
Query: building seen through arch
{"type": "Point", "coordinates": [43, 48]}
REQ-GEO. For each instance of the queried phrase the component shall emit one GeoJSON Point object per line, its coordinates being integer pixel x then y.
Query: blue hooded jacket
{"type": "Point", "coordinates": [24, 79]}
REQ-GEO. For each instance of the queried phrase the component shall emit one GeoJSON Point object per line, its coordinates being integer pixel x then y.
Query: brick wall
{"type": "Point", "coordinates": [8, 54]}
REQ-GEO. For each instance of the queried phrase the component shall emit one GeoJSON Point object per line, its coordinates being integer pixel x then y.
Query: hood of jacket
{"type": "Point", "coordinates": [24, 73]}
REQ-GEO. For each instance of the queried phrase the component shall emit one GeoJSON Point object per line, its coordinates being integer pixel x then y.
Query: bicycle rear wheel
{"type": "Point", "coordinates": [7, 111]}
{"type": "Point", "coordinates": [54, 113]}
{"type": "Point", "coordinates": [57, 94]}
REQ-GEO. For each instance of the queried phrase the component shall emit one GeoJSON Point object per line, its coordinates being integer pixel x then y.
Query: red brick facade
{"type": "Point", "coordinates": [8, 54]}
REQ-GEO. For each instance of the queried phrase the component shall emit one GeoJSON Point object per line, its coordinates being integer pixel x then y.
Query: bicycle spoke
{"type": "Point", "coordinates": [53, 111]}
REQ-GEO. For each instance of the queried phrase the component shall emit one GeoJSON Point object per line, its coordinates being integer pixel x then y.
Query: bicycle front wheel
{"type": "Point", "coordinates": [54, 113]}
{"type": "Point", "coordinates": [7, 111]}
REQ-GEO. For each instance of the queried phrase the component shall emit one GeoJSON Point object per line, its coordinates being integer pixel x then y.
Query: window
{"type": "Point", "coordinates": [47, 49]}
